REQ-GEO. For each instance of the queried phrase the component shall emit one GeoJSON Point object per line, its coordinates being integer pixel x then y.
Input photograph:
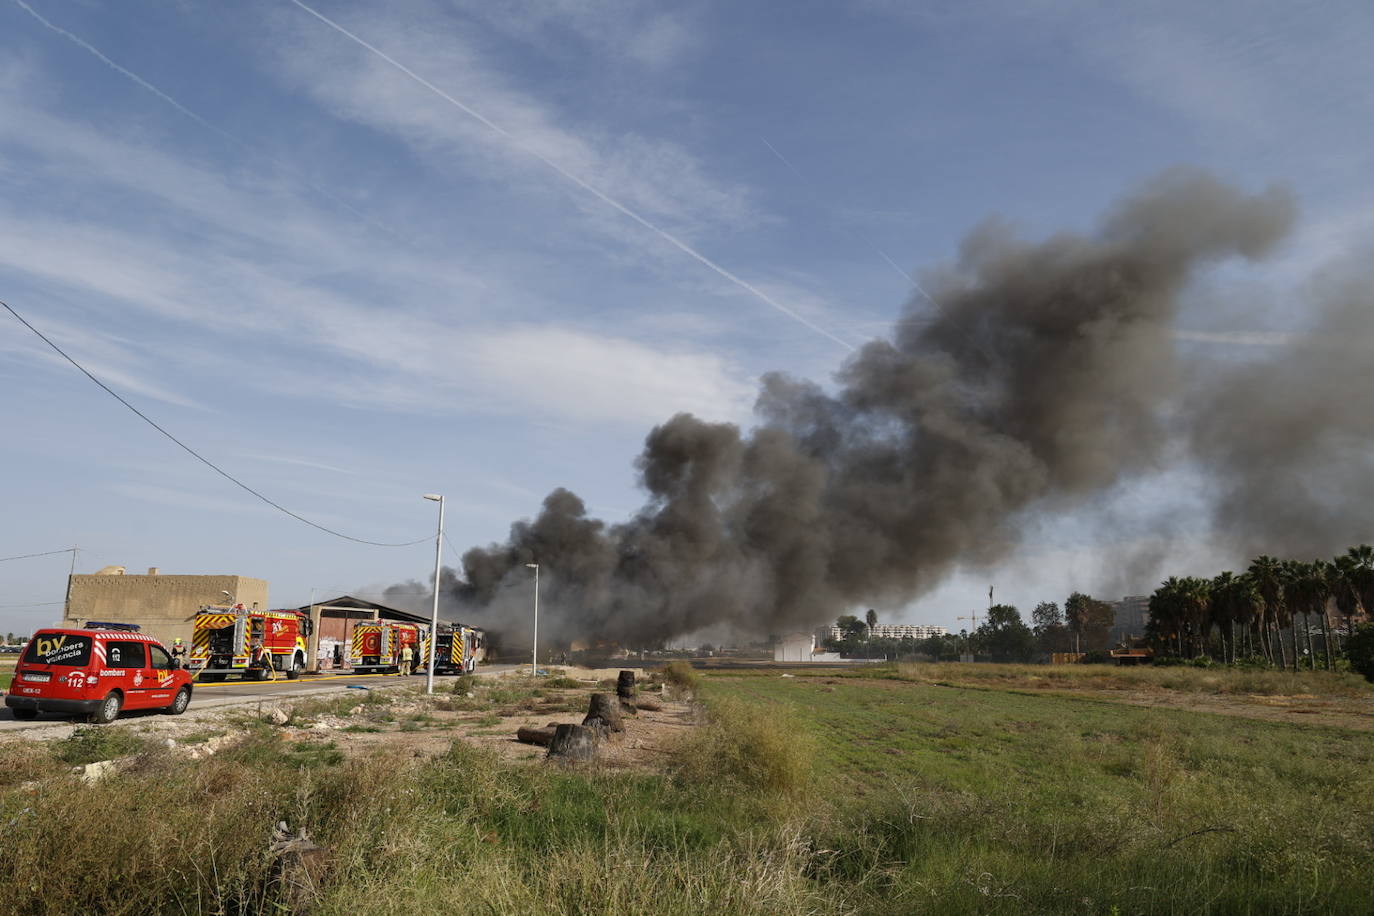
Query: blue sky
{"type": "Point", "coordinates": [349, 290]}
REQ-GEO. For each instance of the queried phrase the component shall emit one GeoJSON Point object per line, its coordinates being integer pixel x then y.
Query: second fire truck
{"type": "Point", "coordinates": [377, 645]}
{"type": "Point", "coordinates": [248, 642]}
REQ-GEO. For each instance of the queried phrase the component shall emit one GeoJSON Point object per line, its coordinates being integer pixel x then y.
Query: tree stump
{"type": "Point", "coordinates": [603, 714]}
{"type": "Point", "coordinates": [625, 690]}
{"type": "Point", "coordinates": [299, 868]}
{"type": "Point", "coordinates": [573, 742]}
{"type": "Point", "coordinates": [536, 735]}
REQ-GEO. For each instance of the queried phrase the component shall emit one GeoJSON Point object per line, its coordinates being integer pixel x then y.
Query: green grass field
{"type": "Point", "coordinates": [977, 800]}
{"type": "Point", "coordinates": [809, 794]}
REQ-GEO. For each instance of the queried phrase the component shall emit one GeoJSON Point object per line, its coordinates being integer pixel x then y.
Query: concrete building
{"type": "Point", "coordinates": [801, 647]}
{"type": "Point", "coordinates": [795, 647]}
{"type": "Point", "coordinates": [163, 606]}
{"type": "Point", "coordinates": [897, 631]}
{"type": "Point", "coordinates": [1132, 614]}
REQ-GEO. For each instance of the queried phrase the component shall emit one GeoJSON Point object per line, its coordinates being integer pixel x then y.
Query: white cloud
{"type": "Point", "coordinates": [653, 176]}
{"type": "Point", "coordinates": [600, 378]}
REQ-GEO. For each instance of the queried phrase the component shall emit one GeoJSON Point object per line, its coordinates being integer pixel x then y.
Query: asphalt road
{"type": "Point", "coordinates": [246, 693]}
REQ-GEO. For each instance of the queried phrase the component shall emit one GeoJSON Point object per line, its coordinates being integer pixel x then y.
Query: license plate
{"type": "Point", "coordinates": [38, 677]}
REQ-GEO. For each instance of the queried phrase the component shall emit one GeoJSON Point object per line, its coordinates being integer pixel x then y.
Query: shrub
{"type": "Point", "coordinates": [755, 748]}
{"type": "Point", "coordinates": [681, 674]}
{"type": "Point", "coordinates": [1360, 650]}
{"type": "Point", "coordinates": [93, 743]}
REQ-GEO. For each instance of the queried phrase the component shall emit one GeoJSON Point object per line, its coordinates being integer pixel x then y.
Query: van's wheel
{"type": "Point", "coordinates": [295, 670]}
{"type": "Point", "coordinates": [109, 708]}
{"type": "Point", "coordinates": [183, 699]}
{"type": "Point", "coordinates": [26, 714]}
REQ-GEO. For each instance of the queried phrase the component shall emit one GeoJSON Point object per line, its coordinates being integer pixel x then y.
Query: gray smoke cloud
{"type": "Point", "coordinates": [1046, 375]}
{"type": "Point", "coordinates": [1288, 438]}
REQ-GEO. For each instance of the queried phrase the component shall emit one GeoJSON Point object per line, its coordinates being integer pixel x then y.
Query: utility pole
{"type": "Point", "coordinates": [968, 640]}
{"type": "Point", "coordinates": [67, 605]}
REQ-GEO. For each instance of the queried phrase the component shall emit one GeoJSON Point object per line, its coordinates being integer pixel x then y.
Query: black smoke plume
{"type": "Point", "coordinates": [1046, 374]}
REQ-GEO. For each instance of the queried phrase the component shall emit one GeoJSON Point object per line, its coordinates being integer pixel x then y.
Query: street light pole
{"type": "Point", "coordinates": [434, 619]}
{"type": "Point", "coordinates": [534, 659]}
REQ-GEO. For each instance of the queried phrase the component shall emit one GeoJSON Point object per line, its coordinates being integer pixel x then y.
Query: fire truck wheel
{"type": "Point", "coordinates": [295, 670]}
{"type": "Point", "coordinates": [109, 708]}
{"type": "Point", "coordinates": [259, 674]}
{"type": "Point", "coordinates": [183, 699]}
{"type": "Point", "coordinates": [26, 714]}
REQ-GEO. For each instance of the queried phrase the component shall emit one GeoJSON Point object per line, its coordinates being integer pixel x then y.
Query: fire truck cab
{"type": "Point", "coordinates": [246, 641]}
{"type": "Point", "coordinates": [96, 672]}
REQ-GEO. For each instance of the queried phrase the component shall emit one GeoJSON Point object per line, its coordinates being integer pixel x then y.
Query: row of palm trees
{"type": "Point", "coordinates": [1247, 614]}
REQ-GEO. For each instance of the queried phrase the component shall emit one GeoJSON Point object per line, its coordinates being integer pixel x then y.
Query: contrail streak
{"type": "Point", "coordinates": [134, 77]}
{"type": "Point", "coordinates": [584, 185]}
{"type": "Point", "coordinates": [882, 254]}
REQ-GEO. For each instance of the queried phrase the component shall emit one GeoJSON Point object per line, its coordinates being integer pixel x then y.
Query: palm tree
{"type": "Point", "coordinates": [1343, 576]}
{"type": "Point", "coordinates": [1234, 601]}
{"type": "Point", "coordinates": [1361, 580]}
{"type": "Point", "coordinates": [1222, 613]}
{"type": "Point", "coordinates": [1320, 586]}
{"type": "Point", "coordinates": [1267, 573]}
{"type": "Point", "coordinates": [1166, 614]}
{"type": "Point", "coordinates": [1249, 607]}
{"type": "Point", "coordinates": [1195, 599]}
{"type": "Point", "coordinates": [1297, 577]}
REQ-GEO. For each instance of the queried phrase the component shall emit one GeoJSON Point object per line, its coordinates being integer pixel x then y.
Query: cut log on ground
{"type": "Point", "coordinates": [541, 736]}
{"type": "Point", "coordinates": [573, 742]}
{"type": "Point", "coordinates": [603, 714]}
{"type": "Point", "coordinates": [648, 704]}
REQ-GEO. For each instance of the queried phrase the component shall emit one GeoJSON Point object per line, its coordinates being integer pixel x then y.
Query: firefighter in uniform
{"type": "Point", "coordinates": [406, 659]}
{"type": "Point", "coordinates": [179, 652]}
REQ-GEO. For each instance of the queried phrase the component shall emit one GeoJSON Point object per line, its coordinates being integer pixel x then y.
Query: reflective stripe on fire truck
{"type": "Point", "coordinates": [205, 623]}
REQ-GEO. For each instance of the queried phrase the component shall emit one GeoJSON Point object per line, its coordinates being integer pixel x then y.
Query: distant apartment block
{"type": "Point", "coordinates": [1132, 615]}
{"type": "Point", "coordinates": [897, 631]}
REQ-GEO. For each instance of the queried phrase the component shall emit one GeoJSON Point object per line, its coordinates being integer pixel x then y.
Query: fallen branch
{"type": "Point", "coordinates": [1174, 842]}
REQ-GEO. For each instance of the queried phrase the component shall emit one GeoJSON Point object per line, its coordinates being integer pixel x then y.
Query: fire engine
{"type": "Point", "coordinates": [460, 648]}
{"type": "Point", "coordinates": [248, 642]}
{"type": "Point", "coordinates": [377, 645]}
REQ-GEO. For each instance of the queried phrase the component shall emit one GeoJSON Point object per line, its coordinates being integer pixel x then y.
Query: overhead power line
{"type": "Point", "coordinates": [193, 453]}
{"type": "Point", "coordinates": [46, 553]}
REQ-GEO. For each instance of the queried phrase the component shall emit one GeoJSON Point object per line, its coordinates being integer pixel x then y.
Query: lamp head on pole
{"type": "Point", "coordinates": [532, 565]}
{"type": "Point", "coordinates": [434, 497]}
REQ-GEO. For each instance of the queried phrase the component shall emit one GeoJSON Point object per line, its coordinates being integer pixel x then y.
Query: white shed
{"type": "Point", "coordinates": [795, 647]}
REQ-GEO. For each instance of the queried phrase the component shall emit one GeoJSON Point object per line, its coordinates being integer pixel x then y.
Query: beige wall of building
{"type": "Point", "coordinates": [162, 605]}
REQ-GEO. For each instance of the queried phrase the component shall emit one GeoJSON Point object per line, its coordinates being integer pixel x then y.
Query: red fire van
{"type": "Point", "coordinates": [96, 672]}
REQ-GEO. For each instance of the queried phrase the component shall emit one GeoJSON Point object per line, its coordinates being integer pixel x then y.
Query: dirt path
{"type": "Point", "coordinates": [1302, 709]}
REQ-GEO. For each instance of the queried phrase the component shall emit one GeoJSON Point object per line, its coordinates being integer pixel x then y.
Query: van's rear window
{"type": "Point", "coordinates": [59, 649]}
